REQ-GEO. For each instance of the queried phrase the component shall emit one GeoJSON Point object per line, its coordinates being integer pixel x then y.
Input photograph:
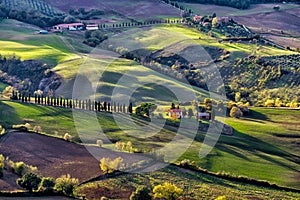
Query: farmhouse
{"type": "Point", "coordinates": [92, 27]}
{"type": "Point", "coordinates": [197, 18]}
{"type": "Point", "coordinates": [70, 27]}
{"type": "Point", "coordinates": [177, 112]}
{"type": "Point", "coordinates": [203, 115]}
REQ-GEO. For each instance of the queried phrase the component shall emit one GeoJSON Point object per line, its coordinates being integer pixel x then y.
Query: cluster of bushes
{"type": "Point", "coordinates": [26, 75]}
{"type": "Point", "coordinates": [122, 146]}
{"type": "Point", "coordinates": [34, 183]}
{"type": "Point", "coordinates": [166, 191]}
{"type": "Point", "coordinates": [19, 168]}
{"type": "Point", "coordinates": [259, 79]}
{"type": "Point", "coordinates": [94, 38]}
{"type": "Point", "coordinates": [108, 165]}
{"type": "Point", "coordinates": [82, 14]}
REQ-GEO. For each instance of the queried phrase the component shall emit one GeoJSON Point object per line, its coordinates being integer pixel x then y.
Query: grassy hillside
{"type": "Point", "coordinates": [260, 148]}
{"type": "Point", "coordinates": [195, 186]}
{"type": "Point", "coordinates": [160, 37]}
{"type": "Point", "coordinates": [22, 40]}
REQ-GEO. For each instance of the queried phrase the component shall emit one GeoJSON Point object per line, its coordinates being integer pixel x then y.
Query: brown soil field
{"type": "Point", "coordinates": [137, 9]}
{"type": "Point", "coordinates": [266, 22]}
{"type": "Point", "coordinates": [54, 157]}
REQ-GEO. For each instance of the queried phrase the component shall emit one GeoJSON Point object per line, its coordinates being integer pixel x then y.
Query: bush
{"type": "Point", "coordinates": [2, 130]}
{"type": "Point", "coordinates": [236, 112]}
{"type": "Point", "coordinates": [141, 193]}
{"type": "Point", "coordinates": [67, 137]}
{"type": "Point", "coordinates": [19, 168]}
{"type": "Point", "coordinates": [1, 165]}
{"type": "Point", "coordinates": [109, 166]}
{"type": "Point", "coordinates": [29, 181]}
{"type": "Point", "coordinates": [66, 185]}
{"type": "Point", "coordinates": [99, 143]}
{"type": "Point", "coordinates": [37, 129]}
{"type": "Point", "coordinates": [221, 198]}
{"type": "Point", "coordinates": [167, 191]}
{"type": "Point", "coordinates": [47, 185]}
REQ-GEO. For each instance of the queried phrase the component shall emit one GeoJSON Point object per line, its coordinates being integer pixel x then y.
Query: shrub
{"type": "Point", "coordinates": [2, 130]}
{"type": "Point", "coordinates": [221, 198]}
{"type": "Point", "coordinates": [236, 112]}
{"type": "Point", "coordinates": [1, 165]}
{"type": "Point", "coordinates": [120, 146]}
{"type": "Point", "coordinates": [37, 129]}
{"type": "Point", "coordinates": [141, 193]}
{"type": "Point", "coordinates": [20, 127]}
{"type": "Point", "coordinates": [66, 185]}
{"type": "Point", "coordinates": [67, 137]}
{"type": "Point", "coordinates": [47, 185]}
{"type": "Point", "coordinates": [29, 181]}
{"type": "Point", "coordinates": [19, 168]}
{"type": "Point", "coordinates": [99, 143]}
{"type": "Point", "coordinates": [109, 166]}
{"type": "Point", "coordinates": [167, 191]}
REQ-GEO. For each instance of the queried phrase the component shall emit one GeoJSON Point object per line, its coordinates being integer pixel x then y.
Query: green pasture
{"type": "Point", "coordinates": [26, 43]}
{"type": "Point", "coordinates": [253, 151]}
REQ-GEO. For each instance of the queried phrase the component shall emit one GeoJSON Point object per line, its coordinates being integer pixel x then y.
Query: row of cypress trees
{"type": "Point", "coordinates": [125, 24]}
{"type": "Point", "coordinates": [86, 104]}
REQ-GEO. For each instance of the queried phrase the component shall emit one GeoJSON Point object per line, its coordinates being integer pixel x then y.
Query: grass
{"type": "Point", "coordinates": [194, 185]}
{"type": "Point", "coordinates": [27, 44]}
{"type": "Point", "coordinates": [162, 36]}
{"type": "Point", "coordinates": [150, 84]}
{"type": "Point", "coordinates": [253, 151]}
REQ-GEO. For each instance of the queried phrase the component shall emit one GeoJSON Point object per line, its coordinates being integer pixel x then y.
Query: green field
{"type": "Point", "coordinates": [162, 36]}
{"type": "Point", "coordinates": [195, 186]}
{"type": "Point", "coordinates": [22, 40]}
{"type": "Point", "coordinates": [253, 151]}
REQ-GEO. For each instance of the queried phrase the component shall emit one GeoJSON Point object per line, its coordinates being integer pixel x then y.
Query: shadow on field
{"type": "Point", "coordinates": [8, 115]}
{"type": "Point", "coordinates": [258, 148]}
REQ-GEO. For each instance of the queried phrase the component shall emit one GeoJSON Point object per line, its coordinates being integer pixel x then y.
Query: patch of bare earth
{"type": "Point", "coordinates": [55, 157]}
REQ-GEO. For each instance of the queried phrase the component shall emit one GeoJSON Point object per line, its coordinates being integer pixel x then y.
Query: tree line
{"type": "Point", "coordinates": [241, 4]}
{"type": "Point", "coordinates": [86, 104]}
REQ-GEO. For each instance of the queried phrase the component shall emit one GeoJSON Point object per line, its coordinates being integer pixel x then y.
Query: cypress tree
{"type": "Point", "coordinates": [29, 97]}
{"type": "Point", "coordinates": [39, 99]}
{"type": "Point", "coordinates": [108, 106]}
{"type": "Point", "coordinates": [64, 103]}
{"type": "Point", "coordinates": [99, 106]}
{"type": "Point", "coordinates": [124, 108]}
{"type": "Point", "coordinates": [115, 107]}
{"type": "Point", "coordinates": [105, 106]}
{"type": "Point", "coordinates": [130, 108]}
